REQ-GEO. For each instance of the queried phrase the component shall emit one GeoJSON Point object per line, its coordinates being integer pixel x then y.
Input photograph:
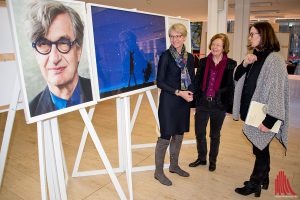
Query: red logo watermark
{"type": "Point", "coordinates": [283, 187]}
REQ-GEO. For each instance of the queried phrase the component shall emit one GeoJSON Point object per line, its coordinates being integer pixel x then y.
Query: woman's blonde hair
{"type": "Point", "coordinates": [179, 28]}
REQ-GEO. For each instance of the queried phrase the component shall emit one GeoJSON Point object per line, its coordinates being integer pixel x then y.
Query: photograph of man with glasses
{"type": "Point", "coordinates": [56, 33]}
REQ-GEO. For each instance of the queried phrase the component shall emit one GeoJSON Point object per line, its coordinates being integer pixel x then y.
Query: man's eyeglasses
{"type": "Point", "coordinates": [252, 34]}
{"type": "Point", "coordinates": [175, 36]}
{"type": "Point", "coordinates": [44, 46]}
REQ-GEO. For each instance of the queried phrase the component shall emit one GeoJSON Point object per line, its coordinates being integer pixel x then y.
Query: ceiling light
{"type": "Point", "coordinates": [264, 11]}
{"type": "Point", "coordinates": [260, 4]}
{"type": "Point", "coordinates": [269, 16]}
{"type": "Point", "coordinates": [148, 2]}
{"type": "Point", "coordinates": [255, 4]}
{"type": "Point", "coordinates": [290, 19]}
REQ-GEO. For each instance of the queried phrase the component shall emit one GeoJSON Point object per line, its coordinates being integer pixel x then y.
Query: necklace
{"type": "Point", "coordinates": [249, 70]}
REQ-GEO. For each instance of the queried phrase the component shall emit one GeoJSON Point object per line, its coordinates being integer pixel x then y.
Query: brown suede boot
{"type": "Point", "coordinates": [175, 146]}
{"type": "Point", "coordinates": [160, 152]}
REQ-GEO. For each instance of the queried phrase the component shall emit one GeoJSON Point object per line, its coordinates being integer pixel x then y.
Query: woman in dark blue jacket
{"type": "Point", "coordinates": [175, 78]}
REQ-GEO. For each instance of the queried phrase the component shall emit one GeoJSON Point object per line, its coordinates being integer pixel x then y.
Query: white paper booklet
{"type": "Point", "coordinates": [257, 113]}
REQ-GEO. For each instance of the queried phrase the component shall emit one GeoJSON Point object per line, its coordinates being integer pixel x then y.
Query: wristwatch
{"type": "Point", "coordinates": [177, 92]}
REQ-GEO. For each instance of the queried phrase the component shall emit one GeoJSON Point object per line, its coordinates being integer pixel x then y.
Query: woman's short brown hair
{"type": "Point", "coordinates": [225, 40]}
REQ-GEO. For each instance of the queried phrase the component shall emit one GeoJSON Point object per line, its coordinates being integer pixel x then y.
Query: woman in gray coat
{"type": "Point", "coordinates": [262, 77]}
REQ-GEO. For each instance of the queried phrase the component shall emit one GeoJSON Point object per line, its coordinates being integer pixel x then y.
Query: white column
{"type": "Point", "coordinates": [222, 16]}
{"type": "Point", "coordinates": [203, 43]}
{"type": "Point", "coordinates": [212, 19]}
{"type": "Point", "coordinates": [217, 18]}
{"type": "Point", "coordinates": [241, 28]}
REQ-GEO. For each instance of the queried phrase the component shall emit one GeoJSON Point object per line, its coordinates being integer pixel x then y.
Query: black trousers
{"type": "Point", "coordinates": [261, 166]}
{"type": "Point", "coordinates": [216, 117]}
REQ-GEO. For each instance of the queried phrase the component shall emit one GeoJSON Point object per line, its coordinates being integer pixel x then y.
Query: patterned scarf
{"type": "Point", "coordinates": [181, 60]}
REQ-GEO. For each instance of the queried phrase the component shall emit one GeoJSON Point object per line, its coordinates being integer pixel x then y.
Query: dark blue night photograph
{"type": "Point", "coordinates": [127, 46]}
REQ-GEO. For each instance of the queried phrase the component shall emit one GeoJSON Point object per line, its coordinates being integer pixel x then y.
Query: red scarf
{"type": "Point", "coordinates": [221, 68]}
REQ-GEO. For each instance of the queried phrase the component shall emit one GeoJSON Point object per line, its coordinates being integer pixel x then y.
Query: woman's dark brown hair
{"type": "Point", "coordinates": [268, 37]}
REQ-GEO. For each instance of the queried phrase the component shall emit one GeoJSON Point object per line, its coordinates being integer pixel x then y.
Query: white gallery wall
{"type": "Point", "coordinates": [8, 69]}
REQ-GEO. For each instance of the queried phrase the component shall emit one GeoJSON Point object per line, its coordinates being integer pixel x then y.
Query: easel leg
{"type": "Point", "coordinates": [58, 158]}
{"type": "Point", "coordinates": [8, 128]}
{"type": "Point", "coordinates": [42, 161]}
{"type": "Point", "coordinates": [126, 106]}
{"type": "Point", "coordinates": [153, 107]}
{"type": "Point", "coordinates": [101, 152]}
{"type": "Point", "coordinates": [82, 143]}
{"type": "Point", "coordinates": [136, 110]}
{"type": "Point", "coordinates": [121, 137]}
{"type": "Point", "coordinates": [138, 146]}
{"type": "Point", "coordinates": [64, 162]}
{"type": "Point", "coordinates": [51, 173]}
{"type": "Point", "coordinates": [51, 160]}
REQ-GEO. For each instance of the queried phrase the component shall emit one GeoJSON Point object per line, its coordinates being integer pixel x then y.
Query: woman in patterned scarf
{"type": "Point", "coordinates": [175, 78]}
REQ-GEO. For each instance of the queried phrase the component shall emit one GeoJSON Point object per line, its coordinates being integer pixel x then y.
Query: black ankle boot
{"type": "Point", "coordinates": [197, 162]}
{"type": "Point", "coordinates": [264, 184]}
{"type": "Point", "coordinates": [249, 188]}
{"type": "Point", "coordinates": [212, 166]}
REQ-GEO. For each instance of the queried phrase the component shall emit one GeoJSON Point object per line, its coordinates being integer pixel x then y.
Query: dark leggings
{"type": "Point", "coordinates": [262, 165]}
{"type": "Point", "coordinates": [168, 136]}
